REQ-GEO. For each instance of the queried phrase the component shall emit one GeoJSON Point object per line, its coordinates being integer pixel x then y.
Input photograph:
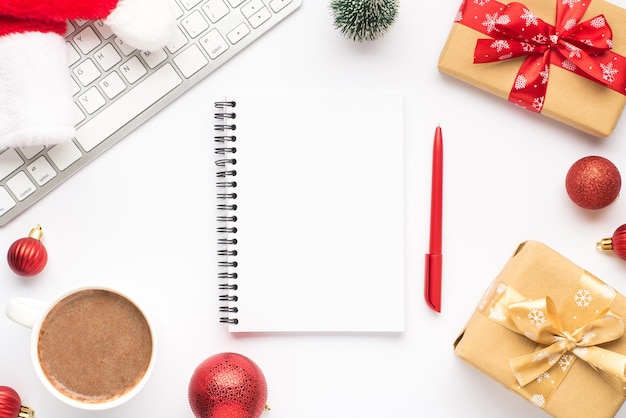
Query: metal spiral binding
{"type": "Point", "coordinates": [226, 220]}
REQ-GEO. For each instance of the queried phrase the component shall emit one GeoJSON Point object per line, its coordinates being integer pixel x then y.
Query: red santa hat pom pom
{"type": "Point", "coordinates": [143, 24]}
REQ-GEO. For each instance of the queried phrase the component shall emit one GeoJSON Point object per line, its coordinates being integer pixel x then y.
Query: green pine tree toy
{"type": "Point", "coordinates": [364, 20]}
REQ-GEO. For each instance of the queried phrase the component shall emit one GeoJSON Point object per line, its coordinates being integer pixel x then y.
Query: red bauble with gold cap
{"type": "Point", "coordinates": [11, 404]}
{"type": "Point", "coordinates": [228, 385]}
{"type": "Point", "coordinates": [28, 256]}
{"type": "Point", "coordinates": [616, 243]}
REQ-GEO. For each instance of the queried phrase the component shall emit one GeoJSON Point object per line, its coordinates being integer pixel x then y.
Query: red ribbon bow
{"type": "Point", "coordinates": [582, 48]}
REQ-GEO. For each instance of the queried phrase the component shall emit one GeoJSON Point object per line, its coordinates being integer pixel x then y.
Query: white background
{"type": "Point", "coordinates": [141, 218]}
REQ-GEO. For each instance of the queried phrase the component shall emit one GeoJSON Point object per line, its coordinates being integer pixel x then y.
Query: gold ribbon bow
{"type": "Point", "coordinates": [583, 323]}
{"type": "Point", "coordinates": [539, 321]}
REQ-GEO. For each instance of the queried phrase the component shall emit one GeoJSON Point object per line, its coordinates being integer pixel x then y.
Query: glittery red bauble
{"type": "Point", "coordinates": [227, 385]}
{"type": "Point", "coordinates": [593, 182]}
{"type": "Point", "coordinates": [28, 256]}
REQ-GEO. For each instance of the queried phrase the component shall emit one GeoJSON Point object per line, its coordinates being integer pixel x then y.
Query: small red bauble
{"type": "Point", "coordinates": [28, 256]}
{"type": "Point", "coordinates": [593, 182]}
{"type": "Point", "coordinates": [617, 242]}
{"type": "Point", "coordinates": [11, 404]}
{"type": "Point", "coordinates": [227, 385]}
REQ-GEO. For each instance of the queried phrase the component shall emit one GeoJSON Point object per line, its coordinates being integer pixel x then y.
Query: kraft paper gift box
{"type": "Point", "coordinates": [573, 99]}
{"type": "Point", "coordinates": [577, 368]}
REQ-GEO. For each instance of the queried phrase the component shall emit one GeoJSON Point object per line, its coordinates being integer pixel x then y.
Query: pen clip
{"type": "Point", "coordinates": [432, 281]}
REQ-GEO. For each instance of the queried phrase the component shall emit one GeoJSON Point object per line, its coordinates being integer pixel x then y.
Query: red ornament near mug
{"type": "Point", "coordinates": [28, 256]}
{"type": "Point", "coordinates": [228, 385]}
{"type": "Point", "coordinates": [11, 404]}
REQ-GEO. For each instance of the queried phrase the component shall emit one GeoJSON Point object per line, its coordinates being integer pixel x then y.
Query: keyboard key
{"type": "Point", "coordinates": [178, 42]}
{"type": "Point", "coordinates": [10, 161]}
{"type": "Point", "coordinates": [107, 57]}
{"type": "Point", "coordinates": [215, 10]}
{"type": "Point", "coordinates": [6, 201]}
{"type": "Point", "coordinates": [190, 4]}
{"type": "Point", "coordinates": [238, 33]}
{"type": "Point", "coordinates": [235, 3]}
{"type": "Point", "coordinates": [190, 61]}
{"type": "Point", "coordinates": [21, 186]}
{"type": "Point", "coordinates": [133, 70]}
{"type": "Point", "coordinates": [260, 17]}
{"type": "Point", "coordinates": [86, 72]}
{"type": "Point", "coordinates": [104, 30]}
{"type": "Point", "coordinates": [87, 40]}
{"type": "Point", "coordinates": [124, 47]}
{"type": "Point", "coordinates": [214, 44]}
{"type": "Point", "coordinates": [153, 58]}
{"type": "Point", "coordinates": [112, 85]}
{"type": "Point", "coordinates": [278, 5]}
{"type": "Point", "coordinates": [195, 24]}
{"type": "Point", "coordinates": [127, 107]}
{"type": "Point", "coordinates": [252, 7]}
{"type": "Point", "coordinates": [91, 100]}
{"type": "Point", "coordinates": [30, 152]}
{"type": "Point", "coordinates": [41, 170]}
{"type": "Point", "coordinates": [64, 154]}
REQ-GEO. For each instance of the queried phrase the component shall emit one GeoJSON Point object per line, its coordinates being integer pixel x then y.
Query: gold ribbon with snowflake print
{"type": "Point", "coordinates": [562, 336]}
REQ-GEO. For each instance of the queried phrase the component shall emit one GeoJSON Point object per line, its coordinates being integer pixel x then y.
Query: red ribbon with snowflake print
{"type": "Point", "coordinates": [583, 48]}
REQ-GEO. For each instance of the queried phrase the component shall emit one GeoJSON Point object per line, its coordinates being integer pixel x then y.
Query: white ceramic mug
{"type": "Point", "coordinates": [85, 343]}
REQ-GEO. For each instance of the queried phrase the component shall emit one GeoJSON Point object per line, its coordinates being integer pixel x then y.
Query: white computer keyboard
{"type": "Point", "coordinates": [117, 88]}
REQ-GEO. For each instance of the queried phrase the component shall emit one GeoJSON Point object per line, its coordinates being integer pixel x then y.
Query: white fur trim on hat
{"type": "Point", "coordinates": [143, 24]}
{"type": "Point", "coordinates": [36, 106]}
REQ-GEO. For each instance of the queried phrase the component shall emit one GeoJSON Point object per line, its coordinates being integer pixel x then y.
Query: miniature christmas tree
{"type": "Point", "coordinates": [364, 20]}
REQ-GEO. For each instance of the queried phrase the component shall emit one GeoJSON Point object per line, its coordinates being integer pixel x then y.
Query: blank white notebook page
{"type": "Point", "coordinates": [319, 213]}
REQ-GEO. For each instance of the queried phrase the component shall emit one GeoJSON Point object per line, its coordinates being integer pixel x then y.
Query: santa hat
{"type": "Point", "coordinates": [36, 105]}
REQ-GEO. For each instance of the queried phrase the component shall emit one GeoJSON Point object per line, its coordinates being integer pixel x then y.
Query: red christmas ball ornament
{"type": "Point", "coordinates": [228, 385]}
{"type": "Point", "coordinates": [11, 404]}
{"type": "Point", "coordinates": [593, 182]}
{"type": "Point", "coordinates": [616, 243]}
{"type": "Point", "coordinates": [28, 256]}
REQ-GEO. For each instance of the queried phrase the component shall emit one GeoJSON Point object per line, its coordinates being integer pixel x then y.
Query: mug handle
{"type": "Point", "coordinates": [25, 311]}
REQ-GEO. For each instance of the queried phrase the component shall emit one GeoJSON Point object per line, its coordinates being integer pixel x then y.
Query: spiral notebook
{"type": "Point", "coordinates": [310, 197]}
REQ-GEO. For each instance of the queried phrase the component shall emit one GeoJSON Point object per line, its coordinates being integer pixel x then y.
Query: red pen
{"type": "Point", "coordinates": [432, 279]}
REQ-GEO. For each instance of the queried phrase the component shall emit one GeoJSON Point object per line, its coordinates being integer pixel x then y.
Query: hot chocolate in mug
{"type": "Point", "coordinates": [92, 348]}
